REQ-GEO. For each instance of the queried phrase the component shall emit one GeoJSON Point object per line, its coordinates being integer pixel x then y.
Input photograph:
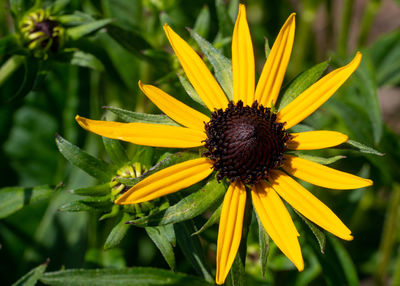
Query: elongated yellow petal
{"type": "Point", "coordinates": [175, 109]}
{"type": "Point", "coordinates": [314, 96]}
{"type": "Point", "coordinates": [272, 75]}
{"type": "Point", "coordinates": [167, 181]}
{"type": "Point", "coordinates": [308, 205]}
{"type": "Point", "coordinates": [230, 229]}
{"type": "Point", "coordinates": [242, 60]}
{"type": "Point", "coordinates": [312, 140]}
{"type": "Point", "coordinates": [321, 175]}
{"type": "Point", "coordinates": [147, 134]}
{"type": "Point", "coordinates": [197, 72]}
{"type": "Point", "coordinates": [277, 222]}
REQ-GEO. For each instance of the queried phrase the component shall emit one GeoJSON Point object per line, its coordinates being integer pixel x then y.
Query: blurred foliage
{"type": "Point", "coordinates": [56, 215]}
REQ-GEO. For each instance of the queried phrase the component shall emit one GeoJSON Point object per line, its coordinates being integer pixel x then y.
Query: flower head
{"type": "Point", "coordinates": [246, 142]}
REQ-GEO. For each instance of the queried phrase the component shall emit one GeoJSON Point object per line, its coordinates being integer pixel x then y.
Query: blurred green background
{"type": "Point", "coordinates": [366, 108]}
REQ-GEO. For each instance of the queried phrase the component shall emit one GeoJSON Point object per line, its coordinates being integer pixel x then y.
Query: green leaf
{"type": "Point", "coordinates": [78, 32]}
{"type": "Point", "coordinates": [17, 8]}
{"type": "Point", "coordinates": [225, 23]}
{"type": "Point", "coordinates": [131, 40]}
{"type": "Point", "coordinates": [301, 83]}
{"type": "Point", "coordinates": [191, 248]}
{"type": "Point", "coordinates": [90, 204]}
{"type": "Point", "coordinates": [211, 221]}
{"type": "Point", "coordinates": [86, 60]}
{"type": "Point", "coordinates": [202, 25]}
{"type": "Point", "coordinates": [13, 199]}
{"type": "Point", "coordinates": [99, 190]}
{"type": "Point", "coordinates": [361, 147]}
{"type": "Point", "coordinates": [190, 90]}
{"type": "Point", "coordinates": [115, 151]}
{"type": "Point", "coordinates": [320, 160]}
{"type": "Point", "coordinates": [160, 235]}
{"type": "Point", "coordinates": [189, 207]}
{"type": "Point", "coordinates": [317, 231]}
{"type": "Point", "coordinates": [131, 116]}
{"type": "Point", "coordinates": [91, 165]}
{"type": "Point", "coordinates": [222, 66]}
{"type": "Point", "coordinates": [31, 278]}
{"type": "Point", "coordinates": [118, 232]}
{"type": "Point", "coordinates": [8, 45]}
{"type": "Point", "coordinates": [263, 239]}
{"type": "Point", "coordinates": [58, 6]}
{"type": "Point", "coordinates": [120, 277]}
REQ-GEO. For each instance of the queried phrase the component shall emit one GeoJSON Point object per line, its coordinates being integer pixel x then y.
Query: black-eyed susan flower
{"type": "Point", "coordinates": [246, 142]}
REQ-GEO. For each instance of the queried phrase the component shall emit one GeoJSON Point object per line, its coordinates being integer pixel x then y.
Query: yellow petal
{"type": "Point", "coordinates": [314, 96]}
{"type": "Point", "coordinates": [321, 175]}
{"type": "Point", "coordinates": [197, 72]}
{"type": "Point", "coordinates": [175, 109]}
{"type": "Point", "coordinates": [277, 222]}
{"type": "Point", "coordinates": [147, 134]}
{"type": "Point", "coordinates": [230, 229]}
{"type": "Point", "coordinates": [167, 181]}
{"type": "Point", "coordinates": [272, 75]}
{"type": "Point", "coordinates": [308, 205]}
{"type": "Point", "coordinates": [312, 140]}
{"type": "Point", "coordinates": [242, 60]}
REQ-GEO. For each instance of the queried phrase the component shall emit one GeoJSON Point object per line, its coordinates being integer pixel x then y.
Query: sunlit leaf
{"type": "Point", "coordinates": [202, 25]}
{"type": "Point", "coordinates": [118, 232]}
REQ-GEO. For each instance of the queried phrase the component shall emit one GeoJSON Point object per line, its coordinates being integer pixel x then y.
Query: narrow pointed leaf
{"type": "Point", "coordinates": [131, 116]}
{"type": "Point", "coordinates": [118, 233]}
{"type": "Point", "coordinates": [211, 221]}
{"type": "Point", "coordinates": [120, 277]}
{"type": "Point", "coordinates": [192, 249]}
{"type": "Point", "coordinates": [31, 278]}
{"type": "Point", "coordinates": [90, 204]}
{"type": "Point", "coordinates": [13, 199]}
{"type": "Point", "coordinates": [91, 165]}
{"type": "Point", "coordinates": [58, 6]}
{"type": "Point", "coordinates": [222, 66]}
{"type": "Point", "coordinates": [202, 25]}
{"type": "Point", "coordinates": [190, 90]}
{"type": "Point", "coordinates": [318, 232]}
{"type": "Point", "coordinates": [86, 60]}
{"type": "Point", "coordinates": [362, 148]}
{"type": "Point", "coordinates": [78, 32]}
{"type": "Point", "coordinates": [160, 236]}
{"type": "Point", "coordinates": [320, 160]}
{"type": "Point", "coordinates": [99, 190]}
{"type": "Point", "coordinates": [263, 240]}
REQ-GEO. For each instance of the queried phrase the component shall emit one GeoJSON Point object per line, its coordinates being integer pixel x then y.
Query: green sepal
{"type": "Point", "coordinates": [31, 278]}
{"type": "Point", "coordinates": [78, 32]}
{"type": "Point", "coordinates": [192, 248]}
{"type": "Point", "coordinates": [190, 90]}
{"type": "Point", "coordinates": [317, 159]}
{"type": "Point", "coordinates": [301, 83]}
{"type": "Point", "coordinates": [187, 208]}
{"type": "Point", "coordinates": [263, 240]}
{"type": "Point", "coordinates": [131, 116]}
{"type": "Point", "coordinates": [93, 191]}
{"type": "Point", "coordinates": [164, 238]}
{"type": "Point", "coordinates": [91, 165]}
{"type": "Point", "coordinates": [115, 210]}
{"type": "Point", "coordinates": [120, 277]}
{"type": "Point", "coordinates": [202, 25]}
{"type": "Point", "coordinates": [222, 65]}
{"type": "Point", "coordinates": [316, 230]}
{"type": "Point", "coordinates": [115, 151]}
{"type": "Point", "coordinates": [118, 232]}
{"type": "Point", "coordinates": [90, 204]}
{"type": "Point", "coordinates": [211, 221]}
{"type": "Point", "coordinates": [354, 145]}
{"type": "Point", "coordinates": [13, 199]}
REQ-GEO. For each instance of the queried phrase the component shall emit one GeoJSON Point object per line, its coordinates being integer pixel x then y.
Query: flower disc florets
{"type": "Point", "coordinates": [245, 142]}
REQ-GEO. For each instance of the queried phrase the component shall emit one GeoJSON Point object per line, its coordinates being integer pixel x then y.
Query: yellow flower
{"type": "Point", "coordinates": [246, 142]}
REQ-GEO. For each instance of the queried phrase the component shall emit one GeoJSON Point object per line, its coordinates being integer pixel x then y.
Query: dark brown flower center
{"type": "Point", "coordinates": [245, 142]}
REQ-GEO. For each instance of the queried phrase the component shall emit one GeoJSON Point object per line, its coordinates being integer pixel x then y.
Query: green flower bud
{"type": "Point", "coordinates": [42, 33]}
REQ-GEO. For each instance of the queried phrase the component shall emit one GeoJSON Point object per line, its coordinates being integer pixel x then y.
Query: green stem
{"type": "Point", "coordinates": [396, 275]}
{"type": "Point", "coordinates": [345, 27]}
{"type": "Point", "coordinates": [368, 18]}
{"type": "Point", "coordinates": [9, 67]}
{"type": "Point", "coordinates": [388, 236]}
